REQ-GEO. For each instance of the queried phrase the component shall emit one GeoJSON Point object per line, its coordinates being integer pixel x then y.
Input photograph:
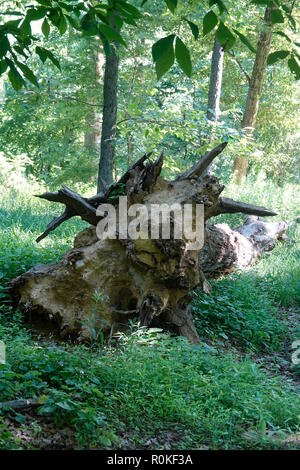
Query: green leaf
{"type": "Point", "coordinates": [45, 28]}
{"type": "Point", "coordinates": [194, 28]}
{"type": "Point", "coordinates": [53, 59]}
{"type": "Point", "coordinates": [111, 34]}
{"type": "Point", "coordinates": [292, 22]}
{"type": "Point", "coordinates": [45, 54]}
{"type": "Point", "coordinates": [225, 36]}
{"type": "Point", "coordinates": [275, 56]}
{"type": "Point", "coordinates": [171, 4]}
{"type": "Point", "coordinates": [210, 20]}
{"type": "Point", "coordinates": [64, 406]}
{"type": "Point", "coordinates": [163, 55]}
{"type": "Point", "coordinates": [42, 53]}
{"type": "Point", "coordinates": [34, 14]}
{"type": "Point", "coordinates": [294, 67]}
{"type": "Point", "coordinates": [28, 73]}
{"type": "Point", "coordinates": [118, 22]}
{"type": "Point", "coordinates": [128, 19]}
{"type": "Point", "coordinates": [105, 441]}
{"type": "Point", "coordinates": [12, 25]}
{"type": "Point", "coordinates": [62, 25]}
{"type": "Point", "coordinates": [276, 16]}
{"type": "Point", "coordinates": [4, 46]}
{"type": "Point", "coordinates": [12, 13]}
{"type": "Point", "coordinates": [162, 46]}
{"type": "Point", "coordinates": [280, 33]}
{"type": "Point", "coordinates": [14, 77]}
{"type": "Point", "coordinates": [183, 57]}
{"type": "Point", "coordinates": [73, 23]}
{"type": "Point", "coordinates": [3, 67]}
{"type": "Point", "coordinates": [65, 6]}
{"type": "Point", "coordinates": [263, 428]}
{"type": "Point", "coordinates": [133, 11]}
{"type": "Point", "coordinates": [54, 17]}
{"type": "Point", "coordinates": [25, 27]}
{"type": "Point", "coordinates": [261, 2]}
{"type": "Point", "coordinates": [220, 4]}
{"type": "Point", "coordinates": [20, 50]}
{"type": "Point", "coordinates": [44, 2]}
{"type": "Point", "coordinates": [245, 41]}
{"type": "Point", "coordinates": [88, 23]}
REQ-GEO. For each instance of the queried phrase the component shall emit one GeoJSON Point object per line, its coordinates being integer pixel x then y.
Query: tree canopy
{"type": "Point", "coordinates": [106, 20]}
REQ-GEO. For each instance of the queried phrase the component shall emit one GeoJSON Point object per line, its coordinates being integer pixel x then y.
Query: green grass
{"type": "Point", "coordinates": [241, 312]}
{"type": "Point", "coordinates": [150, 386]}
{"type": "Point", "coordinates": [22, 219]}
{"type": "Point", "coordinates": [244, 307]}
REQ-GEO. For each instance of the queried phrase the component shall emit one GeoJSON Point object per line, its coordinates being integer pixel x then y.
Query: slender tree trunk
{"type": "Point", "coordinates": [92, 136]}
{"type": "Point", "coordinates": [254, 91]}
{"type": "Point", "coordinates": [215, 87]}
{"type": "Point", "coordinates": [109, 119]}
{"type": "Point", "coordinates": [3, 94]}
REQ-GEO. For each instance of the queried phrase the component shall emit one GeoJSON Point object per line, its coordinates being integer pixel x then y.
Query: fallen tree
{"type": "Point", "coordinates": [146, 278]}
{"type": "Point", "coordinates": [225, 248]}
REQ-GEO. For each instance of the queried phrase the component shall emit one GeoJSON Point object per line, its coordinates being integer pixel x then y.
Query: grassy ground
{"type": "Point", "coordinates": [237, 390]}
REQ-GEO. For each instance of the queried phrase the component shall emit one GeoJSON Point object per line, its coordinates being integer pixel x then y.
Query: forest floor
{"type": "Point", "coordinates": [146, 390]}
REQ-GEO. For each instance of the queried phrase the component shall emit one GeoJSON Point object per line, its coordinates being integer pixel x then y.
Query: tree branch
{"type": "Point", "coordinates": [240, 65]}
{"type": "Point", "coordinates": [20, 404]}
{"type": "Point", "coordinates": [229, 206]}
{"type": "Point", "coordinates": [199, 167]}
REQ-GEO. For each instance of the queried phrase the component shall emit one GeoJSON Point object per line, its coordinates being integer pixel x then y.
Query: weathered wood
{"type": "Point", "coordinates": [199, 168]}
{"type": "Point", "coordinates": [227, 248]}
{"type": "Point", "coordinates": [149, 279]}
{"type": "Point", "coordinates": [20, 404]}
{"type": "Point", "coordinates": [85, 208]}
{"type": "Point", "coordinates": [229, 206]}
{"type": "Point", "coordinates": [56, 222]}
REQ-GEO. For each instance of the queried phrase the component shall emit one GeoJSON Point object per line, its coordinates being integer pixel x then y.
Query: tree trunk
{"type": "Point", "coordinates": [215, 87]}
{"type": "Point", "coordinates": [254, 91]}
{"type": "Point", "coordinates": [109, 118]}
{"type": "Point", "coordinates": [149, 278]}
{"type": "Point", "coordinates": [226, 249]}
{"type": "Point", "coordinates": [215, 84]}
{"type": "Point", "coordinates": [92, 135]}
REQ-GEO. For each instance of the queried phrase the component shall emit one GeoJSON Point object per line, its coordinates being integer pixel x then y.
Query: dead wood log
{"type": "Point", "coordinates": [20, 404]}
{"type": "Point", "coordinates": [146, 278]}
{"type": "Point", "coordinates": [226, 248]}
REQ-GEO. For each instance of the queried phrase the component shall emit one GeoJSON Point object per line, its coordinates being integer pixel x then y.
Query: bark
{"type": "Point", "coordinates": [215, 84]}
{"type": "Point", "coordinates": [150, 279]}
{"type": "Point", "coordinates": [3, 94]}
{"type": "Point", "coordinates": [215, 87]}
{"type": "Point", "coordinates": [254, 91]}
{"type": "Point", "coordinates": [109, 118]}
{"type": "Point", "coordinates": [226, 249]}
{"type": "Point", "coordinates": [20, 404]}
{"type": "Point", "coordinates": [92, 135]}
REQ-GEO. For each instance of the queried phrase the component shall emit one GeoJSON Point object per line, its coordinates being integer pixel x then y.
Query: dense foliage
{"type": "Point", "coordinates": [45, 126]}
